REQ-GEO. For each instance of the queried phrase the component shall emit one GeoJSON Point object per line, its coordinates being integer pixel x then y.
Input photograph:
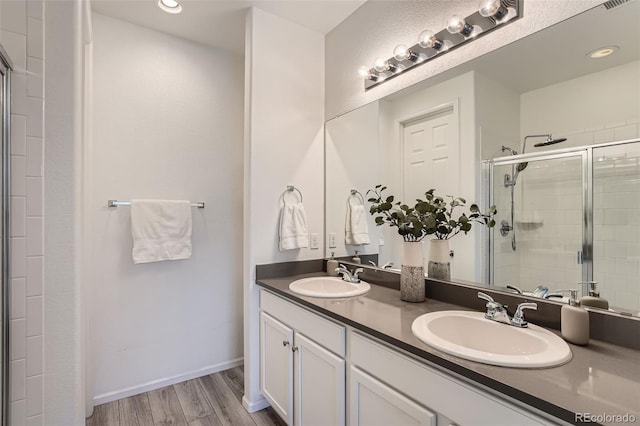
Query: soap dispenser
{"type": "Point", "coordinates": [574, 321]}
{"type": "Point", "coordinates": [593, 299]}
{"type": "Point", "coordinates": [332, 265]}
{"type": "Point", "coordinates": [356, 258]}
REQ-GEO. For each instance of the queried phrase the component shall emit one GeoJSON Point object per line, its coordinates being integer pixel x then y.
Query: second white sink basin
{"type": "Point", "coordinates": [471, 336]}
{"type": "Point", "coordinates": [331, 287]}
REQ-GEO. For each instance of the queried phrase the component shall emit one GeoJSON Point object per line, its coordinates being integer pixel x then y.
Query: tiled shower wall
{"type": "Point", "coordinates": [21, 34]}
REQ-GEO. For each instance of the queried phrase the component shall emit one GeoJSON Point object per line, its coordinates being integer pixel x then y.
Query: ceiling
{"type": "Point", "coordinates": [220, 23]}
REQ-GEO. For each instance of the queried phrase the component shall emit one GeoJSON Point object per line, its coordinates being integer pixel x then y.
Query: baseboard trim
{"type": "Point", "coordinates": [166, 381]}
{"type": "Point", "coordinates": [253, 406]}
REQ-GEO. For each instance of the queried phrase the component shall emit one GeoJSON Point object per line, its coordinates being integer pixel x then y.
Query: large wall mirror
{"type": "Point", "coordinates": [570, 209]}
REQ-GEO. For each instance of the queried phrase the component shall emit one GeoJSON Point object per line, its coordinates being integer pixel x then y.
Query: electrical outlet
{"type": "Point", "coordinates": [332, 240]}
{"type": "Point", "coordinates": [313, 241]}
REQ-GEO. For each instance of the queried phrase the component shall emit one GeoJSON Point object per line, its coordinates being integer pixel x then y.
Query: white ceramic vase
{"type": "Point", "coordinates": [412, 283]}
{"type": "Point", "coordinates": [439, 267]}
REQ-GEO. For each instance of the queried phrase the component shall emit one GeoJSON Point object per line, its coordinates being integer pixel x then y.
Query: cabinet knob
{"type": "Point", "coordinates": [295, 348]}
{"type": "Point", "coordinates": [285, 343]}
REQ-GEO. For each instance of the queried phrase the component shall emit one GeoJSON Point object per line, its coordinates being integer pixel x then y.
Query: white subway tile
{"type": "Point", "coordinates": [16, 46]}
{"type": "Point", "coordinates": [627, 233]}
{"type": "Point", "coordinates": [17, 308]}
{"type": "Point", "coordinates": [18, 216]}
{"type": "Point", "coordinates": [35, 38]}
{"type": "Point", "coordinates": [614, 124]}
{"type": "Point", "coordinates": [598, 216]}
{"type": "Point", "coordinates": [633, 120]}
{"type": "Point", "coordinates": [633, 250]}
{"type": "Point", "coordinates": [18, 413]}
{"type": "Point", "coordinates": [35, 274]}
{"type": "Point", "coordinates": [34, 157]}
{"type": "Point", "coordinates": [34, 196]}
{"type": "Point", "coordinates": [34, 390]}
{"type": "Point", "coordinates": [14, 16]}
{"type": "Point", "coordinates": [615, 217]}
{"type": "Point", "coordinates": [627, 267]}
{"type": "Point", "coordinates": [18, 176]}
{"type": "Point", "coordinates": [18, 134]}
{"type": "Point", "coordinates": [35, 117]}
{"type": "Point", "coordinates": [34, 356]}
{"type": "Point", "coordinates": [605, 135]}
{"type": "Point", "coordinates": [581, 139]}
{"type": "Point", "coordinates": [35, 233]}
{"type": "Point", "coordinates": [17, 380]}
{"type": "Point", "coordinates": [611, 249]}
{"type": "Point", "coordinates": [17, 339]}
{"type": "Point", "coordinates": [34, 316]}
{"type": "Point", "coordinates": [573, 217]}
{"type": "Point", "coordinates": [626, 132]}
{"type": "Point", "coordinates": [19, 94]}
{"type": "Point", "coordinates": [35, 82]}
{"type": "Point", "coordinates": [35, 9]}
{"type": "Point", "coordinates": [35, 420]}
{"type": "Point", "coordinates": [18, 257]}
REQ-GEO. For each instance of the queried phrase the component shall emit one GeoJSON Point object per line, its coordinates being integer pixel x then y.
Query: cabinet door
{"type": "Point", "coordinates": [320, 385]}
{"type": "Point", "coordinates": [276, 365]}
{"type": "Point", "coordinates": [373, 403]}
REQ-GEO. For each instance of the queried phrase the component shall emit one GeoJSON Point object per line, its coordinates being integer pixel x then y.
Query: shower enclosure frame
{"type": "Point", "coordinates": [6, 67]}
{"type": "Point", "coordinates": [586, 154]}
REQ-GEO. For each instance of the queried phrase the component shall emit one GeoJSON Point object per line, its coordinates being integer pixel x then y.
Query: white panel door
{"type": "Point", "coordinates": [373, 403]}
{"type": "Point", "coordinates": [430, 155]}
{"type": "Point", "coordinates": [320, 385]}
{"type": "Point", "coordinates": [276, 365]}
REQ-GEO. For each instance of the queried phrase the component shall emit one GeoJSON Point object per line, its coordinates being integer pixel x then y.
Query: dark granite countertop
{"type": "Point", "coordinates": [601, 378]}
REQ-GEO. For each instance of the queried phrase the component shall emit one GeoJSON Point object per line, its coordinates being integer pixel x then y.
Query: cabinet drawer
{"type": "Point", "coordinates": [455, 399]}
{"type": "Point", "coordinates": [322, 331]}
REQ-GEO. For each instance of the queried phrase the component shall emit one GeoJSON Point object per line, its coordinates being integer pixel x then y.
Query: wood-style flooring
{"type": "Point", "coordinates": [206, 401]}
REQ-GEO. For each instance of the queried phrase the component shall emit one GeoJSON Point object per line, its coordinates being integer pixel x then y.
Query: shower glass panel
{"type": "Point", "coordinates": [539, 234]}
{"type": "Point", "coordinates": [616, 223]}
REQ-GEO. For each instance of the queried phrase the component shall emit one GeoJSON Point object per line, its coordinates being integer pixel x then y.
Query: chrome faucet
{"type": "Point", "coordinates": [385, 266]}
{"type": "Point", "coordinates": [498, 312]}
{"type": "Point", "coordinates": [348, 276]}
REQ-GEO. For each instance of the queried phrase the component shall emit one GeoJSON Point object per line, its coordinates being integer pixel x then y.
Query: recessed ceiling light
{"type": "Point", "coordinates": [602, 52]}
{"type": "Point", "coordinates": [170, 6]}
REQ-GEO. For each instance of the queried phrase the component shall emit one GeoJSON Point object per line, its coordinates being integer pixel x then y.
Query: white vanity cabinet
{"type": "Point", "coordinates": [302, 366]}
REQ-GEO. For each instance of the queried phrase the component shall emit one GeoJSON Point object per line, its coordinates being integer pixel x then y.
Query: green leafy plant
{"type": "Point", "coordinates": [431, 216]}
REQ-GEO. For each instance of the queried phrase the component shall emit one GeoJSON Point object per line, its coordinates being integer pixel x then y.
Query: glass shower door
{"type": "Point", "coordinates": [616, 224]}
{"type": "Point", "coordinates": [540, 231]}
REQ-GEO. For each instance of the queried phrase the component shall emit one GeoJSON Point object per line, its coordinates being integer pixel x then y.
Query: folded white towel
{"type": "Point", "coordinates": [161, 230]}
{"type": "Point", "coordinates": [356, 229]}
{"type": "Point", "coordinates": [293, 227]}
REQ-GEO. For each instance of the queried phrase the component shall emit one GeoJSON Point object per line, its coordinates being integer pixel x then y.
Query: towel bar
{"type": "Point", "coordinates": [116, 203]}
{"type": "Point", "coordinates": [291, 188]}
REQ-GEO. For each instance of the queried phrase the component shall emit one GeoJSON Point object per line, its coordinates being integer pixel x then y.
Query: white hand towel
{"type": "Point", "coordinates": [161, 230]}
{"type": "Point", "coordinates": [293, 227]}
{"type": "Point", "coordinates": [356, 229]}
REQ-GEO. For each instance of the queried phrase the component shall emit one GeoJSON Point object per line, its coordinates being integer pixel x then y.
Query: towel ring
{"type": "Point", "coordinates": [357, 194]}
{"type": "Point", "coordinates": [291, 188]}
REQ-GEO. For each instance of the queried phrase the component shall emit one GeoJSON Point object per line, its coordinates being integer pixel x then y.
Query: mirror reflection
{"type": "Point", "coordinates": [533, 128]}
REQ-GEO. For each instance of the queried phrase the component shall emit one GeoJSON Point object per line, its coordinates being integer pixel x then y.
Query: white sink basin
{"type": "Point", "coordinates": [471, 336]}
{"type": "Point", "coordinates": [332, 287]}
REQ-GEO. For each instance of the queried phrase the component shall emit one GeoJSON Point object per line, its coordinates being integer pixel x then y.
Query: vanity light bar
{"type": "Point", "coordinates": [432, 45]}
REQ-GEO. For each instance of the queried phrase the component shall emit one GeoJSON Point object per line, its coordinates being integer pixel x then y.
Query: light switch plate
{"type": "Point", "coordinates": [332, 240]}
{"type": "Point", "coordinates": [313, 241]}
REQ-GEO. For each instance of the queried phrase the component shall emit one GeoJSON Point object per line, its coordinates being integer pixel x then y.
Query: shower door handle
{"type": "Point", "coordinates": [580, 257]}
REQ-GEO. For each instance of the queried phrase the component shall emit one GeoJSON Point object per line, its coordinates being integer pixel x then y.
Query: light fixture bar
{"type": "Point", "coordinates": [419, 55]}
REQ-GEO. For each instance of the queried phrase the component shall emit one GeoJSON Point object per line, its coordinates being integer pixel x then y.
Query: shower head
{"type": "Point", "coordinates": [511, 151]}
{"type": "Point", "coordinates": [550, 141]}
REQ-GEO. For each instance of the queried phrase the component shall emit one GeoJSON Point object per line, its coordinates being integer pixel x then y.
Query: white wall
{"type": "Point", "coordinates": [21, 34]}
{"type": "Point", "coordinates": [377, 26]}
{"type": "Point", "coordinates": [352, 158]}
{"type": "Point", "coordinates": [167, 123]}
{"type": "Point", "coordinates": [284, 116]}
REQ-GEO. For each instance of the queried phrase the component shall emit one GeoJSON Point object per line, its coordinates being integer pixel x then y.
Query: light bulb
{"type": "Point", "coordinates": [492, 8]}
{"type": "Point", "coordinates": [457, 25]}
{"type": "Point", "coordinates": [380, 65]}
{"type": "Point", "coordinates": [364, 72]}
{"type": "Point", "coordinates": [428, 39]}
{"type": "Point", "coordinates": [170, 6]}
{"type": "Point", "coordinates": [402, 53]}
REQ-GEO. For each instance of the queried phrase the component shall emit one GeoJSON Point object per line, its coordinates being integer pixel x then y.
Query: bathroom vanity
{"type": "Point", "coordinates": [355, 361]}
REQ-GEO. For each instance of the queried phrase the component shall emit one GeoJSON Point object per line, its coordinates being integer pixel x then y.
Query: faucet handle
{"type": "Point", "coordinates": [355, 276]}
{"type": "Point", "coordinates": [518, 318]}
{"type": "Point", "coordinates": [485, 296]}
